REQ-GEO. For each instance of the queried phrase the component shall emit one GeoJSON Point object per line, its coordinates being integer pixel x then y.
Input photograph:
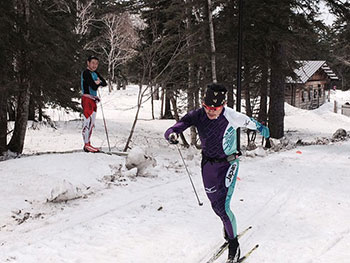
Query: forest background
{"type": "Point", "coordinates": [171, 49]}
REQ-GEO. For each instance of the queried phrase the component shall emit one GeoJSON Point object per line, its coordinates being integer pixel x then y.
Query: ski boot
{"type": "Point", "coordinates": [234, 251]}
{"type": "Point", "coordinates": [89, 148]}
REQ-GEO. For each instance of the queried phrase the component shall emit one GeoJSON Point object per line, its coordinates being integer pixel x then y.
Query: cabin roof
{"type": "Point", "coordinates": [309, 68]}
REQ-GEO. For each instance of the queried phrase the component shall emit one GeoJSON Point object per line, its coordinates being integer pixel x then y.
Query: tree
{"type": "Point", "coordinates": [339, 38]}
{"type": "Point", "coordinates": [116, 43]}
{"type": "Point", "coordinates": [159, 52]}
{"type": "Point", "coordinates": [41, 60]}
{"type": "Point", "coordinates": [212, 41]}
{"type": "Point", "coordinates": [272, 43]}
{"type": "Point", "coordinates": [7, 36]}
{"type": "Point", "coordinates": [276, 109]}
{"type": "Point", "coordinates": [22, 62]}
{"type": "Point", "coordinates": [84, 17]}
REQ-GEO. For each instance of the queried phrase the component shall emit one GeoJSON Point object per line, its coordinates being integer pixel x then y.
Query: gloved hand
{"type": "Point", "coordinates": [264, 131]}
{"type": "Point", "coordinates": [173, 138]}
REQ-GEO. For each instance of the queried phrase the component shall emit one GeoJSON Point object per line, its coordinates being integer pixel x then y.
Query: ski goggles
{"type": "Point", "coordinates": [212, 108]}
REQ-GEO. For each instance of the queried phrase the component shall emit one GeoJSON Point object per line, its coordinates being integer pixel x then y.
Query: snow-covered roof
{"type": "Point", "coordinates": [308, 68]}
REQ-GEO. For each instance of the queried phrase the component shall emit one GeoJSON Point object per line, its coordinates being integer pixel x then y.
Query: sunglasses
{"type": "Point", "coordinates": [212, 108]}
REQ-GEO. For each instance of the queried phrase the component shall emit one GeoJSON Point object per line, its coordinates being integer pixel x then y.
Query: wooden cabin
{"type": "Point", "coordinates": [310, 88]}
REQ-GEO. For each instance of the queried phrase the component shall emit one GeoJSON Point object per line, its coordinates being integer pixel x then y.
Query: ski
{"type": "Point", "coordinates": [244, 231]}
{"type": "Point", "coordinates": [69, 152]}
{"type": "Point", "coordinates": [113, 153]}
{"type": "Point", "coordinates": [49, 152]}
{"type": "Point", "coordinates": [242, 259]}
{"type": "Point", "coordinates": [224, 246]}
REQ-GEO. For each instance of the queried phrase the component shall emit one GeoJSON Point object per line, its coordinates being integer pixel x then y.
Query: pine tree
{"type": "Point", "coordinates": [43, 60]}
{"type": "Point", "coordinates": [339, 39]}
{"type": "Point", "coordinates": [7, 80]}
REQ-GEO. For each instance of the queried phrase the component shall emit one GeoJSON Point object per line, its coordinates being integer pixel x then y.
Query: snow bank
{"type": "Point", "coordinates": [296, 200]}
{"type": "Point", "coordinates": [141, 160]}
{"type": "Point", "coordinates": [65, 191]}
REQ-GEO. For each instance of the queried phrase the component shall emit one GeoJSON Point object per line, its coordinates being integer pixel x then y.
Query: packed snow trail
{"type": "Point", "coordinates": [296, 203]}
{"type": "Point", "coordinates": [300, 204]}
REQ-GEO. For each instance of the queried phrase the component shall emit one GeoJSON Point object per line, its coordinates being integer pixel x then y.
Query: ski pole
{"type": "Point", "coordinates": [104, 122]}
{"type": "Point", "coordinates": [189, 176]}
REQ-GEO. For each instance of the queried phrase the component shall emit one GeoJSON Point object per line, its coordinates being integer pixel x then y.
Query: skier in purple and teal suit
{"type": "Point", "coordinates": [217, 125]}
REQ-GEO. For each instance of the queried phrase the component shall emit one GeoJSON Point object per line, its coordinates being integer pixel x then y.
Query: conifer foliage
{"type": "Point", "coordinates": [158, 43]}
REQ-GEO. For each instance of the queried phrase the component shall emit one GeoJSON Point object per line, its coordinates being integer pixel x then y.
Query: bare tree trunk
{"type": "Point", "coordinates": [177, 118]}
{"type": "Point", "coordinates": [191, 106]}
{"type": "Point", "coordinates": [194, 132]}
{"type": "Point", "coordinates": [248, 105]}
{"type": "Point", "coordinates": [152, 102]}
{"type": "Point", "coordinates": [40, 117]}
{"type": "Point", "coordinates": [110, 77]}
{"type": "Point", "coordinates": [139, 103]}
{"type": "Point", "coordinates": [156, 92]}
{"type": "Point", "coordinates": [198, 95]}
{"type": "Point", "coordinates": [31, 110]}
{"type": "Point", "coordinates": [263, 93]}
{"type": "Point", "coordinates": [276, 109]}
{"type": "Point", "coordinates": [212, 42]}
{"type": "Point", "coordinates": [246, 85]}
{"type": "Point", "coordinates": [162, 103]}
{"type": "Point", "coordinates": [230, 95]}
{"type": "Point", "coordinates": [167, 110]}
{"type": "Point", "coordinates": [17, 141]}
{"type": "Point", "coordinates": [193, 103]}
{"type": "Point", "coordinates": [190, 89]}
{"type": "Point", "coordinates": [11, 110]}
{"type": "Point", "coordinates": [197, 100]}
{"type": "Point", "coordinates": [3, 122]}
{"type": "Point", "coordinates": [191, 100]}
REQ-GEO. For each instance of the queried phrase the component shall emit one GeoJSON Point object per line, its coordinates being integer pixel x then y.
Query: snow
{"type": "Point", "coordinates": [82, 207]}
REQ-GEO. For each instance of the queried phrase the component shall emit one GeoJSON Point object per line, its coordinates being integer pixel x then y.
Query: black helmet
{"type": "Point", "coordinates": [215, 95]}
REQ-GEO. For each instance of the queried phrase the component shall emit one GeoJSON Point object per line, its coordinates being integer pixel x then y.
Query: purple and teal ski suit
{"type": "Point", "coordinates": [219, 143]}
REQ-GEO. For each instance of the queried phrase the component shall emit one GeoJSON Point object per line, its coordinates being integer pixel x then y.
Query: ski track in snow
{"type": "Point", "coordinates": [297, 195]}
{"type": "Point", "coordinates": [24, 242]}
{"type": "Point", "coordinates": [86, 207]}
{"type": "Point", "coordinates": [280, 195]}
{"type": "Point", "coordinates": [298, 204]}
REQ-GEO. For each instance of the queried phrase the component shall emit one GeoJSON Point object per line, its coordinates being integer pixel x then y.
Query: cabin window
{"type": "Point", "coordinates": [303, 95]}
{"type": "Point", "coordinates": [315, 93]}
{"type": "Point", "coordinates": [309, 91]}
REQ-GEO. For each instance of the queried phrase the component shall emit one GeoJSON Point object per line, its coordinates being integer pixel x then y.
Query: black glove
{"type": "Point", "coordinates": [173, 138]}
